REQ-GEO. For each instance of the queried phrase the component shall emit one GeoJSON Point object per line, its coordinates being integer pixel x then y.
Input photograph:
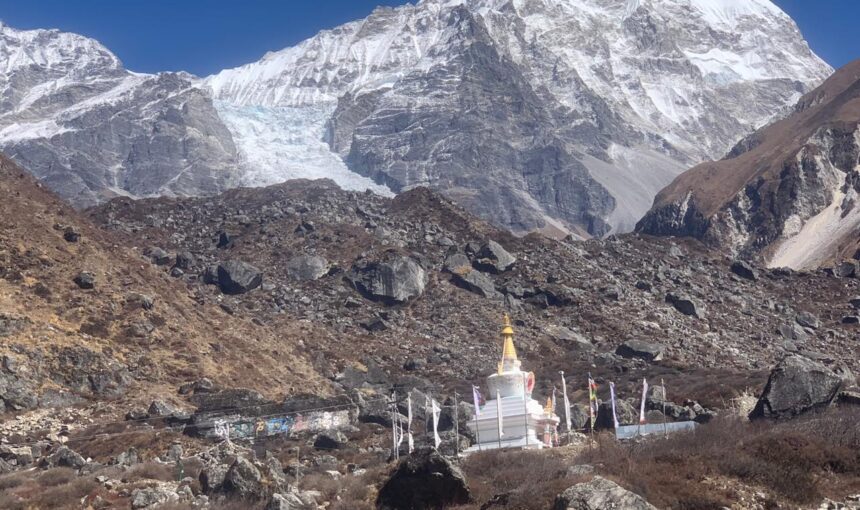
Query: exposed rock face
{"type": "Point", "coordinates": [600, 494]}
{"type": "Point", "coordinates": [91, 130]}
{"type": "Point", "coordinates": [424, 480]}
{"type": "Point", "coordinates": [397, 281]}
{"type": "Point", "coordinates": [787, 195]}
{"type": "Point", "coordinates": [531, 114]}
{"type": "Point", "coordinates": [795, 386]}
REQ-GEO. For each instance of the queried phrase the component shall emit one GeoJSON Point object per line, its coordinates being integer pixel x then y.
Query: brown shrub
{"type": "Point", "coordinates": [526, 480]}
{"type": "Point", "coordinates": [800, 461]}
{"type": "Point", "coordinates": [56, 476]}
{"type": "Point", "coordinates": [67, 495]}
{"type": "Point", "coordinates": [150, 471]}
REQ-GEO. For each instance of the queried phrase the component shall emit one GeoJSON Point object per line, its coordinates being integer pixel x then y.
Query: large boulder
{"type": "Point", "coordinates": [392, 282]}
{"type": "Point", "coordinates": [237, 277]}
{"type": "Point", "coordinates": [493, 258]}
{"type": "Point", "coordinates": [600, 494]}
{"type": "Point", "coordinates": [244, 480]}
{"type": "Point", "coordinates": [477, 282]}
{"type": "Point", "coordinates": [639, 349]}
{"type": "Point", "coordinates": [686, 305]}
{"type": "Point", "coordinates": [744, 270]}
{"type": "Point", "coordinates": [305, 268]}
{"type": "Point", "coordinates": [797, 385]}
{"type": "Point", "coordinates": [626, 413]}
{"type": "Point", "coordinates": [424, 480]}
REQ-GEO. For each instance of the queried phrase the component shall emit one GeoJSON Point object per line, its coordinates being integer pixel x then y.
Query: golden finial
{"type": "Point", "coordinates": [548, 408]}
{"type": "Point", "coordinates": [508, 351]}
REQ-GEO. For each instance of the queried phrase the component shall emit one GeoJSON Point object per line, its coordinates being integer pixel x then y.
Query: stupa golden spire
{"type": "Point", "coordinates": [509, 352]}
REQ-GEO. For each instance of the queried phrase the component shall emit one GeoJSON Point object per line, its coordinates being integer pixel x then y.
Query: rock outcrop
{"type": "Point", "coordinates": [600, 494]}
{"type": "Point", "coordinates": [787, 195]}
{"type": "Point", "coordinates": [795, 386]}
{"type": "Point", "coordinates": [424, 480]}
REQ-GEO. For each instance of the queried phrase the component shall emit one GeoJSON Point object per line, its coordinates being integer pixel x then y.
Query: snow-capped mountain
{"type": "Point", "coordinates": [562, 115]}
{"type": "Point", "coordinates": [90, 129]}
{"type": "Point", "coordinates": [533, 113]}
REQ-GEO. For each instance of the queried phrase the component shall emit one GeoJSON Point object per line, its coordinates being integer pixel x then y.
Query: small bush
{"type": "Point", "coordinates": [56, 476]}
{"type": "Point", "coordinates": [150, 471]}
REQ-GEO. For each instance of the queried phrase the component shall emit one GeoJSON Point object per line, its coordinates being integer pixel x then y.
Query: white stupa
{"type": "Point", "coordinates": [525, 423]}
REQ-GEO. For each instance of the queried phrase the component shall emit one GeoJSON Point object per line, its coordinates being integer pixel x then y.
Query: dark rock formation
{"type": "Point", "coordinates": [424, 481]}
{"type": "Point", "coordinates": [237, 277]}
{"type": "Point", "coordinates": [795, 386]}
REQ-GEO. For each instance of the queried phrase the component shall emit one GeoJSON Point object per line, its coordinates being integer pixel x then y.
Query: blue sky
{"type": "Point", "coordinates": [205, 36]}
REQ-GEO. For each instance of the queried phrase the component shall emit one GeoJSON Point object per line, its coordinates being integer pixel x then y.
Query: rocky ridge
{"type": "Point", "coordinates": [787, 194]}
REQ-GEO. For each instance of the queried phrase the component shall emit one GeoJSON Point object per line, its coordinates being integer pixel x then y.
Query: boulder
{"type": "Point", "coordinates": [457, 263]}
{"type": "Point", "coordinates": [641, 350]}
{"type": "Point", "coordinates": [569, 338]}
{"type": "Point", "coordinates": [64, 457]}
{"type": "Point", "coordinates": [578, 416]}
{"type": "Point", "coordinates": [477, 282]}
{"type": "Point", "coordinates": [846, 269]}
{"type": "Point", "coordinates": [626, 413]}
{"type": "Point", "coordinates": [855, 302]}
{"type": "Point", "coordinates": [600, 494]}
{"type": "Point", "coordinates": [71, 234]}
{"type": "Point", "coordinates": [212, 477]}
{"type": "Point", "coordinates": [243, 479]}
{"type": "Point", "coordinates": [394, 282]}
{"type": "Point", "coordinates": [744, 270]}
{"type": "Point", "coordinates": [330, 441]}
{"type": "Point", "coordinates": [184, 260]}
{"type": "Point", "coordinates": [305, 268]}
{"type": "Point", "coordinates": [158, 256]}
{"type": "Point", "coordinates": [237, 277]}
{"type": "Point", "coordinates": [807, 320]}
{"type": "Point", "coordinates": [493, 258]}
{"type": "Point", "coordinates": [686, 305]}
{"type": "Point", "coordinates": [286, 501]}
{"type": "Point", "coordinates": [424, 480]}
{"type": "Point", "coordinates": [161, 409]}
{"type": "Point", "coordinates": [797, 385]}
{"type": "Point", "coordinates": [85, 280]}
{"type": "Point", "coordinates": [152, 497]}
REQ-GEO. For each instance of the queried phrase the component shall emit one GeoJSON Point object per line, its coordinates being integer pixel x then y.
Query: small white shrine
{"type": "Point", "coordinates": [524, 422]}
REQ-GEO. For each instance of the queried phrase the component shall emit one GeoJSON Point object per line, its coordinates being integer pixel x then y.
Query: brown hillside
{"type": "Point", "coordinates": [66, 343]}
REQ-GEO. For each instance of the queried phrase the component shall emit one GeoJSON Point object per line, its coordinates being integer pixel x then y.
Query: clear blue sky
{"type": "Point", "coordinates": [205, 36]}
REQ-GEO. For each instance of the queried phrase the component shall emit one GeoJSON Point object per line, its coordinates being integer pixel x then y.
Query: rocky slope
{"type": "Point", "coordinates": [559, 115]}
{"type": "Point", "coordinates": [91, 130]}
{"type": "Point", "coordinates": [413, 283]}
{"type": "Point", "coordinates": [84, 318]}
{"type": "Point", "coordinates": [787, 194]}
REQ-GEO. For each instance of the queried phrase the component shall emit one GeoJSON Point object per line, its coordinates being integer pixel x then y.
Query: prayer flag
{"type": "Point", "coordinates": [612, 395]}
{"type": "Point", "coordinates": [437, 440]}
{"type": "Point", "coordinates": [476, 397]}
{"type": "Point", "coordinates": [499, 413]}
{"type": "Point", "coordinates": [642, 407]}
{"type": "Point", "coordinates": [566, 402]}
{"type": "Point", "coordinates": [409, 437]}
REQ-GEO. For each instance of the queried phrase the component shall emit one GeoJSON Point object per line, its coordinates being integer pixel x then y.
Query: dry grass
{"type": "Point", "coordinates": [525, 480]}
{"type": "Point", "coordinates": [795, 463]}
